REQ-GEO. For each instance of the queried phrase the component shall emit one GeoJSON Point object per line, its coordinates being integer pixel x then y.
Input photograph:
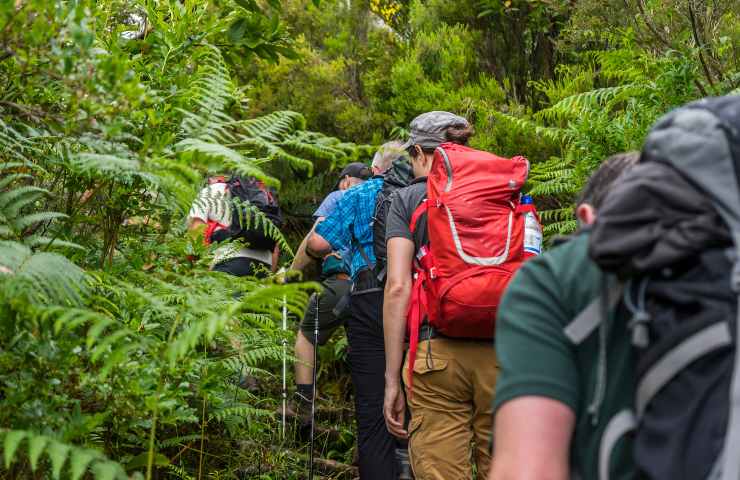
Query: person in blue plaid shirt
{"type": "Point", "coordinates": [350, 226]}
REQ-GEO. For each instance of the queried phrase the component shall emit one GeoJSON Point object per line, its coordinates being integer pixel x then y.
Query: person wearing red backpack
{"type": "Point", "coordinates": [454, 237]}
{"type": "Point", "coordinates": [216, 216]}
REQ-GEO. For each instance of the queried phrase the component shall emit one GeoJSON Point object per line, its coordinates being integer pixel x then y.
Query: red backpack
{"type": "Point", "coordinates": [476, 242]}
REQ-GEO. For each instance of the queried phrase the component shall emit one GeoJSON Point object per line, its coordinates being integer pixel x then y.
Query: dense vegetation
{"type": "Point", "coordinates": [121, 354]}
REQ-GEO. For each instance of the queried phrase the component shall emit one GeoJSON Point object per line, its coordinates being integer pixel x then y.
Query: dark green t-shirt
{"type": "Point", "coordinates": [539, 357]}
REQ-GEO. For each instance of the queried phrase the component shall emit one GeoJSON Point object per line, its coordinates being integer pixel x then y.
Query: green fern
{"type": "Point", "coordinates": [586, 102]}
{"type": "Point", "coordinates": [273, 127]}
{"type": "Point", "coordinates": [179, 472]}
{"type": "Point", "coordinates": [552, 134]}
{"type": "Point", "coordinates": [211, 92]}
{"type": "Point", "coordinates": [16, 198]}
{"type": "Point", "coordinates": [251, 217]}
{"type": "Point", "coordinates": [78, 461]}
{"type": "Point", "coordinates": [242, 411]}
{"type": "Point", "coordinates": [43, 278]}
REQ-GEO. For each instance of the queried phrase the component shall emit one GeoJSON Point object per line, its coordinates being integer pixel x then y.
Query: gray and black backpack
{"type": "Point", "coordinates": [670, 232]}
{"type": "Point", "coordinates": [400, 175]}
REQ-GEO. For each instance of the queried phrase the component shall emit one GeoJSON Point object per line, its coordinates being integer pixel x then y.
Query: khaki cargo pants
{"type": "Point", "coordinates": [450, 407]}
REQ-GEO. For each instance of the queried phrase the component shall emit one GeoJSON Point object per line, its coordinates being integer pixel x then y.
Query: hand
{"type": "Point", "coordinates": [394, 409]}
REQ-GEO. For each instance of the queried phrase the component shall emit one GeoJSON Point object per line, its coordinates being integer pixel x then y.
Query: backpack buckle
{"type": "Point", "coordinates": [433, 273]}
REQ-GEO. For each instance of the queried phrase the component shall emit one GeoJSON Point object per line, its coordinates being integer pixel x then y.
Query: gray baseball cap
{"type": "Point", "coordinates": [429, 129]}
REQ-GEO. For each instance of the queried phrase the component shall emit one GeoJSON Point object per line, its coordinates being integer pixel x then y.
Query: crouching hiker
{"type": "Point", "coordinates": [554, 398]}
{"type": "Point", "coordinates": [350, 226]}
{"type": "Point", "coordinates": [336, 283]}
{"type": "Point", "coordinates": [224, 213]}
{"type": "Point", "coordinates": [454, 236]}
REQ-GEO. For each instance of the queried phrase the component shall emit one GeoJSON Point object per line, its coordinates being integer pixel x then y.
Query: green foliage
{"type": "Point", "coordinates": [119, 343]}
{"type": "Point", "coordinates": [585, 123]}
{"type": "Point", "coordinates": [122, 354]}
{"type": "Point", "coordinates": [77, 460]}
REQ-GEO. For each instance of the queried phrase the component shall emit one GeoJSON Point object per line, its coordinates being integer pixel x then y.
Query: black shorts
{"type": "Point", "coordinates": [334, 289]}
{"type": "Point", "coordinates": [243, 267]}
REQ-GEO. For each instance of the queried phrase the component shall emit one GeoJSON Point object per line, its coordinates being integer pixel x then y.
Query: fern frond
{"type": "Point", "coordinates": [230, 158]}
{"type": "Point", "coordinates": [274, 127]}
{"type": "Point", "coordinates": [45, 278]}
{"type": "Point", "coordinates": [557, 215]}
{"type": "Point", "coordinates": [244, 411]}
{"type": "Point", "coordinates": [77, 459]}
{"type": "Point", "coordinates": [528, 127]}
{"type": "Point", "coordinates": [180, 472]}
{"type": "Point", "coordinates": [584, 103]}
{"type": "Point", "coordinates": [561, 228]}
{"type": "Point", "coordinates": [251, 217]}
{"type": "Point", "coordinates": [211, 91]}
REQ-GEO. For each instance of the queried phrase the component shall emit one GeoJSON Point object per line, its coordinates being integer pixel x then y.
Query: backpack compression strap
{"type": "Point", "coordinates": [418, 303]}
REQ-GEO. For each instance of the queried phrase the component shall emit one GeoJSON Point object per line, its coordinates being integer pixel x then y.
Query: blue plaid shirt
{"type": "Point", "coordinates": [353, 214]}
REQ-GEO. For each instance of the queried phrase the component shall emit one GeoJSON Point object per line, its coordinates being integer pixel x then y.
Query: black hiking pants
{"type": "Point", "coordinates": [376, 446]}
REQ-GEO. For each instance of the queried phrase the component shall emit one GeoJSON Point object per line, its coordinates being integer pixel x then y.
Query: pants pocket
{"type": "Point", "coordinates": [414, 426]}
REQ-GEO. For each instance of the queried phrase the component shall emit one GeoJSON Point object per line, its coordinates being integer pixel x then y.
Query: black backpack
{"type": "Point", "coordinates": [246, 225]}
{"type": "Point", "coordinates": [400, 175]}
{"type": "Point", "coordinates": [670, 232]}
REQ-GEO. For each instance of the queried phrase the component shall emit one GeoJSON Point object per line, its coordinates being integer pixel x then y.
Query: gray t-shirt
{"type": "Point", "coordinates": [403, 204]}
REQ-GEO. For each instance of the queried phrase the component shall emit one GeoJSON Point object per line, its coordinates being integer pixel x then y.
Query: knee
{"type": "Point", "coordinates": [303, 345]}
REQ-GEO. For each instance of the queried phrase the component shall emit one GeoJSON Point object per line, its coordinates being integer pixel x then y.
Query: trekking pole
{"type": "Point", "coordinates": [285, 365]}
{"type": "Point", "coordinates": [313, 397]}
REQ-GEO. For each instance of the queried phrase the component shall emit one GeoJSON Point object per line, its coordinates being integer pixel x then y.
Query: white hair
{"type": "Point", "coordinates": [386, 154]}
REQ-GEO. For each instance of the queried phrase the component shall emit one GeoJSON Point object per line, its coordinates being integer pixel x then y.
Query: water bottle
{"type": "Point", "coordinates": [532, 228]}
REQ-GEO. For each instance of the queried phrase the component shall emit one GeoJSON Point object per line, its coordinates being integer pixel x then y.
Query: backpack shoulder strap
{"type": "Point", "coordinates": [589, 319]}
{"type": "Point", "coordinates": [730, 468]}
{"type": "Point", "coordinates": [356, 243]}
{"type": "Point", "coordinates": [420, 210]}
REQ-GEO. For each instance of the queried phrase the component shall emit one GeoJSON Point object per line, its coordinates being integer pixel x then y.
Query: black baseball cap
{"type": "Point", "coordinates": [355, 169]}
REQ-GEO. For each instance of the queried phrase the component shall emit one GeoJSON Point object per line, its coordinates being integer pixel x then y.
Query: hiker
{"type": "Point", "coordinates": [350, 226]}
{"type": "Point", "coordinates": [454, 235]}
{"type": "Point", "coordinates": [336, 283]}
{"type": "Point", "coordinates": [552, 403]}
{"type": "Point", "coordinates": [670, 234]}
{"type": "Point", "coordinates": [246, 250]}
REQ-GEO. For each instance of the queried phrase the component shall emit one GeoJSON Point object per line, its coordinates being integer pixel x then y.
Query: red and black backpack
{"type": "Point", "coordinates": [249, 195]}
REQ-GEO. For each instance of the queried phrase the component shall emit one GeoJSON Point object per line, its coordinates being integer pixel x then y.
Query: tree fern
{"type": "Point", "coordinates": [78, 460]}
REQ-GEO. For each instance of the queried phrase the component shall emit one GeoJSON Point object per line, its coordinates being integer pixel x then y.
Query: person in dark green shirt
{"type": "Point", "coordinates": [564, 393]}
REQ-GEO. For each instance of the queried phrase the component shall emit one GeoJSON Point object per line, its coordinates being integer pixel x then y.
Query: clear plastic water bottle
{"type": "Point", "coordinates": [532, 228]}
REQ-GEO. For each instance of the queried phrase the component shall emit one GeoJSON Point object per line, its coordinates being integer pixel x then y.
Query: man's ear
{"type": "Point", "coordinates": [586, 213]}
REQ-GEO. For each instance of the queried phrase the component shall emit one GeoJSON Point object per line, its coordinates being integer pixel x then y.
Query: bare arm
{"type": "Point", "coordinates": [532, 438]}
{"type": "Point", "coordinates": [195, 224]}
{"type": "Point", "coordinates": [275, 258]}
{"type": "Point", "coordinates": [302, 260]}
{"type": "Point", "coordinates": [397, 293]}
{"type": "Point", "coordinates": [317, 245]}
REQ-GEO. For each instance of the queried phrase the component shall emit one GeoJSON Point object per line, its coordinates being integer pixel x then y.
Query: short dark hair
{"type": "Point", "coordinates": [603, 179]}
